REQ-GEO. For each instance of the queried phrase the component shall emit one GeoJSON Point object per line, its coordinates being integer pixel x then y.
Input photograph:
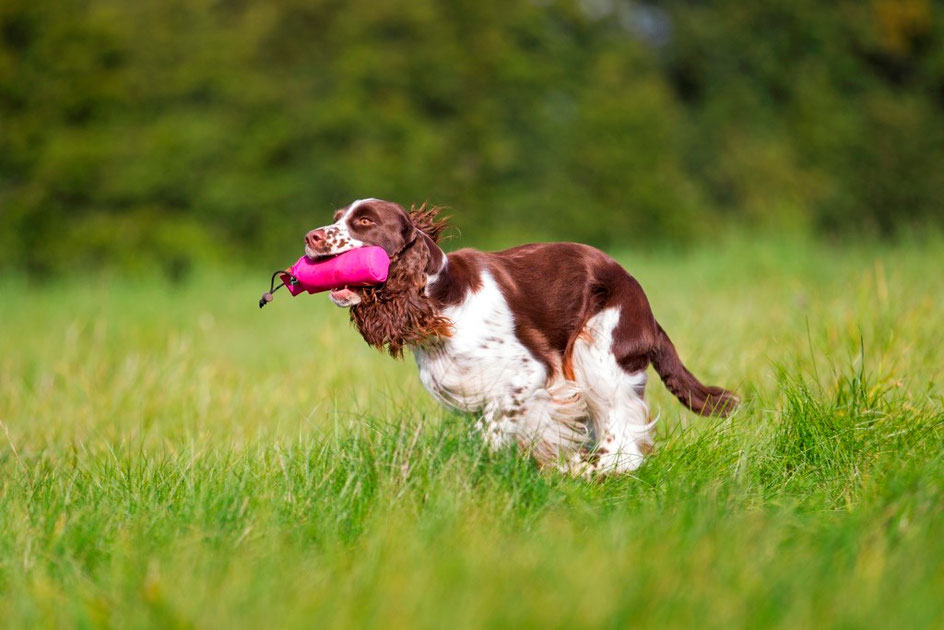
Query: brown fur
{"type": "Point", "coordinates": [396, 314]}
{"type": "Point", "coordinates": [426, 219]}
{"type": "Point", "coordinates": [553, 289]}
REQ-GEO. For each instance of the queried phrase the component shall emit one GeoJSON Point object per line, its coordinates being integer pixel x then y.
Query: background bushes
{"type": "Point", "coordinates": [171, 132]}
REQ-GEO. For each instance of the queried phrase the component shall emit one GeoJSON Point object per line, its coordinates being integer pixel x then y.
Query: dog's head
{"type": "Point", "coordinates": [398, 312]}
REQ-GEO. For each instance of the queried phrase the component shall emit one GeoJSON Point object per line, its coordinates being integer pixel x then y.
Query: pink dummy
{"type": "Point", "coordinates": [362, 267]}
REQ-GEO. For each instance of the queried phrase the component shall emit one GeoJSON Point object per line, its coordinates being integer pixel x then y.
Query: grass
{"type": "Point", "coordinates": [170, 456]}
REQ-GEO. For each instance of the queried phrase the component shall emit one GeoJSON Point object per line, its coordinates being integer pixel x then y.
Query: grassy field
{"type": "Point", "coordinates": [170, 456]}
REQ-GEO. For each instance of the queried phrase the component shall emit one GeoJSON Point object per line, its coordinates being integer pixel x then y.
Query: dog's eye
{"type": "Point", "coordinates": [363, 222]}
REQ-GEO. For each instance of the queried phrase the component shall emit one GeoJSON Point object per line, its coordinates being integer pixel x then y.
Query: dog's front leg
{"type": "Point", "coordinates": [496, 428]}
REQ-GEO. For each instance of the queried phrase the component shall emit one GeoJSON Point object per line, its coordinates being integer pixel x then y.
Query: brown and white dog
{"type": "Point", "coordinates": [548, 343]}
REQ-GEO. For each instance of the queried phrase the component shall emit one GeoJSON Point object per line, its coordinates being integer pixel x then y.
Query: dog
{"type": "Point", "coordinates": [547, 343]}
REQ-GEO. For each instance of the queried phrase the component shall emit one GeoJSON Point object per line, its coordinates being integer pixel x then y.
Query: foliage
{"type": "Point", "coordinates": [170, 456]}
{"type": "Point", "coordinates": [162, 133]}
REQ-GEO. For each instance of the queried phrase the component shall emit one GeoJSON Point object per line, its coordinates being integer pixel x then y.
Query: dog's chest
{"type": "Point", "coordinates": [482, 366]}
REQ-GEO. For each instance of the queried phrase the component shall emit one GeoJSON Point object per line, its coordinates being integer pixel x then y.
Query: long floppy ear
{"type": "Point", "coordinates": [407, 230]}
{"type": "Point", "coordinates": [397, 314]}
{"type": "Point", "coordinates": [426, 219]}
{"type": "Point", "coordinates": [408, 271]}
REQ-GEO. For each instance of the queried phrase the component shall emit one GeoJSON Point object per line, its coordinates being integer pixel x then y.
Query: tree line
{"type": "Point", "coordinates": [174, 132]}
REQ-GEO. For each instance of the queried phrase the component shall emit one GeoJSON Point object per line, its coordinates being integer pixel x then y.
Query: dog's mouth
{"type": "Point", "coordinates": [344, 295]}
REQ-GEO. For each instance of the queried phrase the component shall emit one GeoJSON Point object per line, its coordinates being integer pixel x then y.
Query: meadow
{"type": "Point", "coordinates": [171, 456]}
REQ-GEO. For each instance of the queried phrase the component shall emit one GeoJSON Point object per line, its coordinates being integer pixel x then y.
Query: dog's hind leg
{"type": "Point", "coordinates": [614, 398]}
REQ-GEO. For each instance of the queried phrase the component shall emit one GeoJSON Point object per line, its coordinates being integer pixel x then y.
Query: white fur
{"type": "Point", "coordinates": [351, 208]}
{"type": "Point", "coordinates": [483, 368]}
{"type": "Point", "coordinates": [338, 236]}
{"type": "Point", "coordinates": [614, 398]}
{"type": "Point", "coordinates": [598, 424]}
{"type": "Point", "coordinates": [339, 240]}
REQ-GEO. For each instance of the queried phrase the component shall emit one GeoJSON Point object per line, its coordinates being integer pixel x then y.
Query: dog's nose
{"type": "Point", "coordinates": [315, 238]}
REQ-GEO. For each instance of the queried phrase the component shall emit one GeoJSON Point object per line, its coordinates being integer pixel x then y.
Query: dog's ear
{"type": "Point", "coordinates": [396, 314]}
{"type": "Point", "coordinates": [435, 256]}
{"type": "Point", "coordinates": [407, 228]}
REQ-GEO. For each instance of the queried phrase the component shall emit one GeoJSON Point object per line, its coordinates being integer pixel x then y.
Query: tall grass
{"type": "Point", "coordinates": [170, 456]}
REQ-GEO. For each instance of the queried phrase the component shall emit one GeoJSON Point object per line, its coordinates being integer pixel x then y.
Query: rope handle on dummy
{"type": "Point", "coordinates": [267, 296]}
{"type": "Point", "coordinates": [361, 267]}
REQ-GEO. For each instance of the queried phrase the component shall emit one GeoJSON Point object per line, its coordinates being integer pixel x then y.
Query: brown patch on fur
{"type": "Point", "coordinates": [552, 290]}
{"type": "Point", "coordinates": [464, 274]}
{"type": "Point", "coordinates": [567, 366]}
{"type": "Point", "coordinates": [567, 362]}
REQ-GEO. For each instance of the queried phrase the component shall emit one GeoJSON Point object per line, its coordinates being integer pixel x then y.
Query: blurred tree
{"type": "Point", "coordinates": [163, 133]}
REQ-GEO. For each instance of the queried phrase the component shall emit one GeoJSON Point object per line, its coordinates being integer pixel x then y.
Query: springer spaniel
{"type": "Point", "coordinates": [548, 343]}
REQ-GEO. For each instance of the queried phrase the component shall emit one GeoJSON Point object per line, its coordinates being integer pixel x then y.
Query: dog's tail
{"type": "Point", "coordinates": [703, 399]}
